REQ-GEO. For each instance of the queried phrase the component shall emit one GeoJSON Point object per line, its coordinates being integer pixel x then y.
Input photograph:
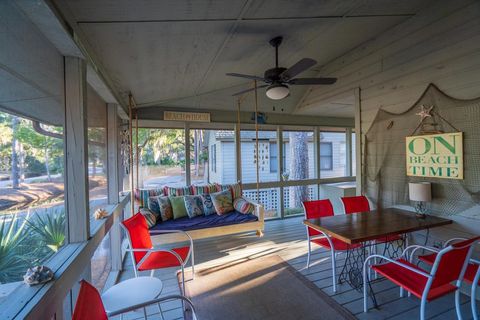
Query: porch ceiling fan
{"type": "Point", "coordinates": [278, 79]}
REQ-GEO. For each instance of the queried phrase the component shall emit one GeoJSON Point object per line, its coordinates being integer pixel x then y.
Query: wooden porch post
{"type": "Point", "coordinates": [76, 151]}
{"type": "Point", "coordinates": [76, 163]}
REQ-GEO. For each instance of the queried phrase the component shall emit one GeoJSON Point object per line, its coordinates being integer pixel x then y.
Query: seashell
{"type": "Point", "coordinates": [38, 274]}
{"type": "Point", "coordinates": [100, 213]}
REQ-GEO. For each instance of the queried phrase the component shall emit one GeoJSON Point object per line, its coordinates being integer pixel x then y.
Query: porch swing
{"type": "Point", "coordinates": [161, 232]}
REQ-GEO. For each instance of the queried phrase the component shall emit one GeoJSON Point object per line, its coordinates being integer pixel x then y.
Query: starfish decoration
{"type": "Point", "coordinates": [424, 112]}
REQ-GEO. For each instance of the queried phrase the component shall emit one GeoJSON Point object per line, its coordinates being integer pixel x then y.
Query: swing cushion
{"type": "Point", "coordinates": [204, 222]}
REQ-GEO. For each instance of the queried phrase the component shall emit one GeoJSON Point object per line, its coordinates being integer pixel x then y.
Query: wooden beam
{"type": "Point", "coordinates": [76, 151]}
{"type": "Point", "coordinates": [358, 140]}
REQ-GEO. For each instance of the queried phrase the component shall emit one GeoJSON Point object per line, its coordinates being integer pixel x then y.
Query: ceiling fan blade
{"type": "Point", "coordinates": [297, 68]}
{"type": "Point", "coordinates": [245, 76]}
{"type": "Point", "coordinates": [312, 81]}
{"type": "Point", "coordinates": [248, 90]}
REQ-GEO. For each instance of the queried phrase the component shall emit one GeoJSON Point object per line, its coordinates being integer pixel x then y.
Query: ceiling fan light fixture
{"type": "Point", "coordinates": [277, 91]}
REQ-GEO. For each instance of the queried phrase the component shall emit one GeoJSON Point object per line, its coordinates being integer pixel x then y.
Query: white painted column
{"type": "Point", "coordinates": [187, 155]}
{"type": "Point", "coordinates": [113, 183]}
{"type": "Point", "coordinates": [348, 152]}
{"type": "Point", "coordinates": [76, 151]}
{"type": "Point", "coordinates": [112, 151]}
{"type": "Point", "coordinates": [76, 162]}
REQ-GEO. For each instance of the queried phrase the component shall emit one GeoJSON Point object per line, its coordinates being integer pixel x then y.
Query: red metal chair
{"type": "Point", "coordinates": [472, 274]}
{"type": "Point", "coordinates": [318, 209]}
{"type": "Point", "coordinates": [145, 257]}
{"type": "Point", "coordinates": [355, 204]}
{"type": "Point", "coordinates": [450, 265]}
{"type": "Point", "coordinates": [89, 304]}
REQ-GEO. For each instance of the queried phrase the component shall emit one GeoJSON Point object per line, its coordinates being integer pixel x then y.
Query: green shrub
{"type": "Point", "coordinates": [14, 256]}
{"type": "Point", "coordinates": [50, 227]}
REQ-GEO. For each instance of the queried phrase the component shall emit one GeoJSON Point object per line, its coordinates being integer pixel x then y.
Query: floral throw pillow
{"type": "Point", "coordinates": [194, 206]}
{"type": "Point", "coordinates": [208, 207]}
{"type": "Point", "coordinates": [153, 205]}
{"type": "Point", "coordinates": [222, 201]}
{"type": "Point", "coordinates": [235, 189]}
{"type": "Point", "coordinates": [244, 206]}
{"type": "Point", "coordinates": [166, 212]}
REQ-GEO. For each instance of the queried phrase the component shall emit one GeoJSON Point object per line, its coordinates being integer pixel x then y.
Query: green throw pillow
{"type": "Point", "coordinates": [178, 207]}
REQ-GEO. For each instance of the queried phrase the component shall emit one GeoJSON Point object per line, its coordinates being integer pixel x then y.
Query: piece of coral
{"type": "Point", "coordinates": [38, 274]}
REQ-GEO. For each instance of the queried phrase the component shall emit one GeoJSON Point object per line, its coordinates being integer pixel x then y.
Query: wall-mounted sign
{"type": "Point", "coordinates": [186, 116]}
{"type": "Point", "coordinates": [435, 156]}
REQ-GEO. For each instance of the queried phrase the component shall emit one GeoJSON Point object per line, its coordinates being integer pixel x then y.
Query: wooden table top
{"type": "Point", "coordinates": [364, 226]}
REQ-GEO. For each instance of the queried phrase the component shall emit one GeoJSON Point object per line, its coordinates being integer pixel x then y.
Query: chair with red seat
{"type": "Point", "coordinates": [318, 209]}
{"type": "Point", "coordinates": [449, 266]}
{"type": "Point", "coordinates": [357, 204]}
{"type": "Point", "coordinates": [145, 257]}
{"type": "Point", "coordinates": [89, 304]}
{"type": "Point", "coordinates": [472, 273]}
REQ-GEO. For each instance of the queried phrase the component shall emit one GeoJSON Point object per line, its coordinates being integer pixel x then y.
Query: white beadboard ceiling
{"type": "Point", "coordinates": [175, 53]}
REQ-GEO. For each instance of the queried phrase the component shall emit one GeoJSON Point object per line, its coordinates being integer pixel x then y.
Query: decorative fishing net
{"type": "Point", "coordinates": [384, 168]}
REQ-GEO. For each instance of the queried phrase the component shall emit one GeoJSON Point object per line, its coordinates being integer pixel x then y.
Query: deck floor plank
{"type": "Point", "coordinates": [287, 239]}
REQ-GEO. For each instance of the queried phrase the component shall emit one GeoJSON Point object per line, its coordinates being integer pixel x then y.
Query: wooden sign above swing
{"type": "Point", "coordinates": [186, 116]}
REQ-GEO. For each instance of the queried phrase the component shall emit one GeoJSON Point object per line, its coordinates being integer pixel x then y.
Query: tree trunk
{"type": "Point", "coordinates": [298, 166]}
{"type": "Point", "coordinates": [47, 166]}
{"type": "Point", "coordinates": [15, 171]}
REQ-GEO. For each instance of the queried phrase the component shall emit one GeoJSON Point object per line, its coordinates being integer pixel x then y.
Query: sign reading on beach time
{"type": "Point", "coordinates": [186, 116]}
{"type": "Point", "coordinates": [435, 156]}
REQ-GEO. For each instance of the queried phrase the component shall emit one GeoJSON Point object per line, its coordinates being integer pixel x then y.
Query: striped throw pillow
{"type": "Point", "coordinates": [142, 195]}
{"type": "Point", "coordinates": [244, 206]}
{"type": "Point", "coordinates": [176, 192]}
{"type": "Point", "coordinates": [205, 189]}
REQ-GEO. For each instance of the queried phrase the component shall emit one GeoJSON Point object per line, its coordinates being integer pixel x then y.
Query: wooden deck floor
{"type": "Point", "coordinates": [287, 239]}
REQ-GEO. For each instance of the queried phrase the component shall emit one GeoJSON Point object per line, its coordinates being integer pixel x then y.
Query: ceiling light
{"type": "Point", "coordinates": [277, 91]}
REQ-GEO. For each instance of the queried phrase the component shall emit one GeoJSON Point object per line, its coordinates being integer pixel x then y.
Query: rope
{"type": "Point", "coordinates": [256, 139]}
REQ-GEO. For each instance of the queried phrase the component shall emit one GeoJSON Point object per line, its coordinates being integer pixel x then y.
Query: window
{"type": "Point", "coordinates": [97, 150]}
{"type": "Point", "coordinates": [268, 197]}
{"type": "Point", "coordinates": [326, 156]}
{"type": "Point", "coordinates": [214, 157]}
{"type": "Point", "coordinates": [162, 157]}
{"type": "Point", "coordinates": [249, 156]}
{"type": "Point", "coordinates": [299, 155]}
{"type": "Point", "coordinates": [32, 212]}
{"type": "Point", "coordinates": [294, 196]}
{"type": "Point", "coordinates": [273, 157]}
{"type": "Point", "coordinates": [333, 154]}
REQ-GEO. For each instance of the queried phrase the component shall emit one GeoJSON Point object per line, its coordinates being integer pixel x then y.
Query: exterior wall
{"type": "Point", "coordinates": [227, 150]}
{"type": "Point", "coordinates": [226, 155]}
{"type": "Point", "coordinates": [439, 45]}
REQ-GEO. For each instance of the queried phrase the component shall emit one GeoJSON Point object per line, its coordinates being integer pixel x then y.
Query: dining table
{"type": "Point", "coordinates": [364, 231]}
